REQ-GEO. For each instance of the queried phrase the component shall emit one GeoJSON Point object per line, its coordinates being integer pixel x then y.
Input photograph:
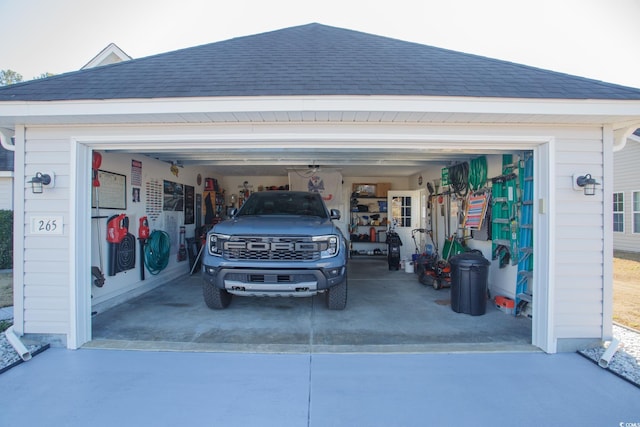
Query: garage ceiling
{"type": "Point", "coordinates": [387, 162]}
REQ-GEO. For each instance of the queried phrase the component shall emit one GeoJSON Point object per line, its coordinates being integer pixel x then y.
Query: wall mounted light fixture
{"type": "Point", "coordinates": [585, 183]}
{"type": "Point", "coordinates": [39, 181]}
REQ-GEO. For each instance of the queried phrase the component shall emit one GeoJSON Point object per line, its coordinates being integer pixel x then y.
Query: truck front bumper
{"type": "Point", "coordinates": [274, 282]}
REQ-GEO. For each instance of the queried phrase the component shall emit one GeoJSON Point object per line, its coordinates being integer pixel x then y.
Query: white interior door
{"type": "Point", "coordinates": [404, 216]}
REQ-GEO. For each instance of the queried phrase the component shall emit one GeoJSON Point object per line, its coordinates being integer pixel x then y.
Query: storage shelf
{"type": "Point", "coordinates": [368, 212]}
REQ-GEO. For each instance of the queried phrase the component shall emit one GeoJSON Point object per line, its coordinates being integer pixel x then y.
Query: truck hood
{"type": "Point", "coordinates": [277, 225]}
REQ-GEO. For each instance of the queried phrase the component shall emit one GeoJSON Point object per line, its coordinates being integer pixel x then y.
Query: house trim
{"type": "Point", "coordinates": [79, 228]}
{"type": "Point", "coordinates": [19, 228]}
{"type": "Point", "coordinates": [305, 108]}
{"type": "Point", "coordinates": [607, 238]}
{"type": "Point", "coordinates": [544, 335]}
{"type": "Point", "coordinates": [80, 186]}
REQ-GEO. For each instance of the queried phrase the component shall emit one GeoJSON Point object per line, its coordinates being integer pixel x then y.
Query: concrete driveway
{"type": "Point", "coordinates": [96, 387]}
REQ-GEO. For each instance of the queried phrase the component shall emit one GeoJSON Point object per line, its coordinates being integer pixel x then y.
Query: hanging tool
{"type": "Point", "coordinates": [117, 229]}
{"type": "Point", "coordinates": [143, 235]}
{"type": "Point", "coordinates": [97, 272]}
{"type": "Point", "coordinates": [182, 251]}
{"type": "Point", "coordinates": [195, 263]}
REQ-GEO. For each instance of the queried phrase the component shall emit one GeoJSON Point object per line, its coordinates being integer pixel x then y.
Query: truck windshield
{"type": "Point", "coordinates": [284, 203]}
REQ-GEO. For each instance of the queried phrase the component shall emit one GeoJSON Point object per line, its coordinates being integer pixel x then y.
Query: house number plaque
{"type": "Point", "coordinates": [51, 225]}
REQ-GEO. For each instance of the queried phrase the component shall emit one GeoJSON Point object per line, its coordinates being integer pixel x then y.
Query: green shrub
{"type": "Point", "coordinates": [6, 239]}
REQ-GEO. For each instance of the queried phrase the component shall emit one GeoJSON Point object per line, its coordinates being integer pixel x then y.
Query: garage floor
{"type": "Point", "coordinates": [387, 311]}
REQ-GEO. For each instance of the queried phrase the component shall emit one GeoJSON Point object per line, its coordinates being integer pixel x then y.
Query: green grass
{"type": "Point", "coordinates": [4, 325]}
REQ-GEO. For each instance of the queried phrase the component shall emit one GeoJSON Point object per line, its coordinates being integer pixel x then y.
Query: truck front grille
{"type": "Point", "coordinates": [271, 249]}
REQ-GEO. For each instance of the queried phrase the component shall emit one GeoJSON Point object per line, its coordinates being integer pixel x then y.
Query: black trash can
{"type": "Point", "coordinates": [469, 273]}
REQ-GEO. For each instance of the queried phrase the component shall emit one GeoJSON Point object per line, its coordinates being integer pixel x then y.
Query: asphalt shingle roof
{"type": "Point", "coordinates": [314, 59]}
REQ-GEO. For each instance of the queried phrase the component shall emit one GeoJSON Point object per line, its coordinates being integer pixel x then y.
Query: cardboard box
{"type": "Point", "coordinates": [364, 190]}
{"type": "Point", "coordinates": [382, 188]}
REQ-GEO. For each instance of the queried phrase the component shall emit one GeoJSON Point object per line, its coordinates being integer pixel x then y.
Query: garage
{"type": "Point", "coordinates": [388, 120]}
{"type": "Point", "coordinates": [387, 309]}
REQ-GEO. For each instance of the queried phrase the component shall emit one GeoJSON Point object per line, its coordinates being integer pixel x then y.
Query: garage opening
{"type": "Point", "coordinates": [441, 204]}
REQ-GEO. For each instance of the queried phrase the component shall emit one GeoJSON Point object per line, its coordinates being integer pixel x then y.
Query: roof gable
{"type": "Point", "coordinates": [109, 55]}
{"type": "Point", "coordinates": [313, 59]}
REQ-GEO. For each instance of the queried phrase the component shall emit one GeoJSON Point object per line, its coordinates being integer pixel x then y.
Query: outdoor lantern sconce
{"type": "Point", "coordinates": [586, 183]}
{"type": "Point", "coordinates": [39, 181]}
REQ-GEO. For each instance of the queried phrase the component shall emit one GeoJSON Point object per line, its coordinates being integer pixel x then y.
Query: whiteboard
{"type": "Point", "coordinates": [112, 192]}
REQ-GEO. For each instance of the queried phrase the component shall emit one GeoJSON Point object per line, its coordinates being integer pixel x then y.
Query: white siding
{"type": "Point", "coordinates": [579, 240]}
{"type": "Point", "coordinates": [46, 276]}
{"type": "Point", "coordinates": [6, 192]}
{"type": "Point", "coordinates": [626, 180]}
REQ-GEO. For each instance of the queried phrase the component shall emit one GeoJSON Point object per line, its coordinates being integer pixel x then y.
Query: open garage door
{"type": "Point", "coordinates": [164, 296]}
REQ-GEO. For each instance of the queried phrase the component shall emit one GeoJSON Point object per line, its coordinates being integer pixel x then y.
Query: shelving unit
{"type": "Point", "coordinates": [363, 220]}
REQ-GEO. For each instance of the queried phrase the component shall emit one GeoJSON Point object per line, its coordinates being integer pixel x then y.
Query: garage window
{"type": "Point", "coordinates": [618, 212]}
{"type": "Point", "coordinates": [636, 211]}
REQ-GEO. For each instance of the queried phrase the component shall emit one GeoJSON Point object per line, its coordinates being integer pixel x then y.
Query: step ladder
{"type": "Point", "coordinates": [504, 209]}
{"type": "Point", "coordinates": [524, 284]}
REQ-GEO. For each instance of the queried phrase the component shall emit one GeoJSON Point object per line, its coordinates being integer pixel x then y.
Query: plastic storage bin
{"type": "Point", "coordinates": [469, 273]}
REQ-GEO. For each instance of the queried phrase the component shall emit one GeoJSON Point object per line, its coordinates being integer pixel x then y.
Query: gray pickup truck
{"type": "Point", "coordinates": [279, 243]}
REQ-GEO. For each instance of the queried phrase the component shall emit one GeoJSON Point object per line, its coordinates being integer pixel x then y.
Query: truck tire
{"type": "Point", "coordinates": [214, 297]}
{"type": "Point", "coordinates": [337, 296]}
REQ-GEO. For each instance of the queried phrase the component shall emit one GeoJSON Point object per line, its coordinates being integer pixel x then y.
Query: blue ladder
{"type": "Point", "coordinates": [524, 291]}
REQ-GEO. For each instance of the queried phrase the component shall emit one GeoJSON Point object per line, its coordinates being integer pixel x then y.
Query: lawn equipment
{"type": "Point", "coordinates": [433, 271]}
{"type": "Point", "coordinates": [393, 254]}
{"type": "Point", "coordinates": [143, 235]}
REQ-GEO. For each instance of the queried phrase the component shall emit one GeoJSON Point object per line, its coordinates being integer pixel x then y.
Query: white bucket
{"type": "Point", "coordinates": [408, 267]}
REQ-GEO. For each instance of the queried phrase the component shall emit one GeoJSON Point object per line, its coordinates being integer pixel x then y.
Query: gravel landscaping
{"type": "Point", "coordinates": [10, 358]}
{"type": "Point", "coordinates": [626, 361]}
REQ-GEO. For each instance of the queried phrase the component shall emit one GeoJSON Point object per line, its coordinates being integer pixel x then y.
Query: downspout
{"type": "Point", "coordinates": [621, 135]}
{"type": "Point", "coordinates": [5, 139]}
{"type": "Point", "coordinates": [17, 345]}
{"type": "Point", "coordinates": [606, 357]}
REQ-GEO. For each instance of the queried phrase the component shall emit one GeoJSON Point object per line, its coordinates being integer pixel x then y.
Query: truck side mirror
{"type": "Point", "coordinates": [335, 214]}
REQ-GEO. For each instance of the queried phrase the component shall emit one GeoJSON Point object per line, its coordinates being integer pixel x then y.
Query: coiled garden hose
{"type": "Point", "coordinates": [459, 178]}
{"type": "Point", "coordinates": [477, 173]}
{"type": "Point", "coordinates": [156, 251]}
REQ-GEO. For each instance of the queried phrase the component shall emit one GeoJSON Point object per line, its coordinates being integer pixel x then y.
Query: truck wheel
{"type": "Point", "coordinates": [337, 296]}
{"type": "Point", "coordinates": [214, 297]}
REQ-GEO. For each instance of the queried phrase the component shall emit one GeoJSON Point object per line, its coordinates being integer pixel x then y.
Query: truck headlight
{"type": "Point", "coordinates": [329, 245]}
{"type": "Point", "coordinates": [216, 243]}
